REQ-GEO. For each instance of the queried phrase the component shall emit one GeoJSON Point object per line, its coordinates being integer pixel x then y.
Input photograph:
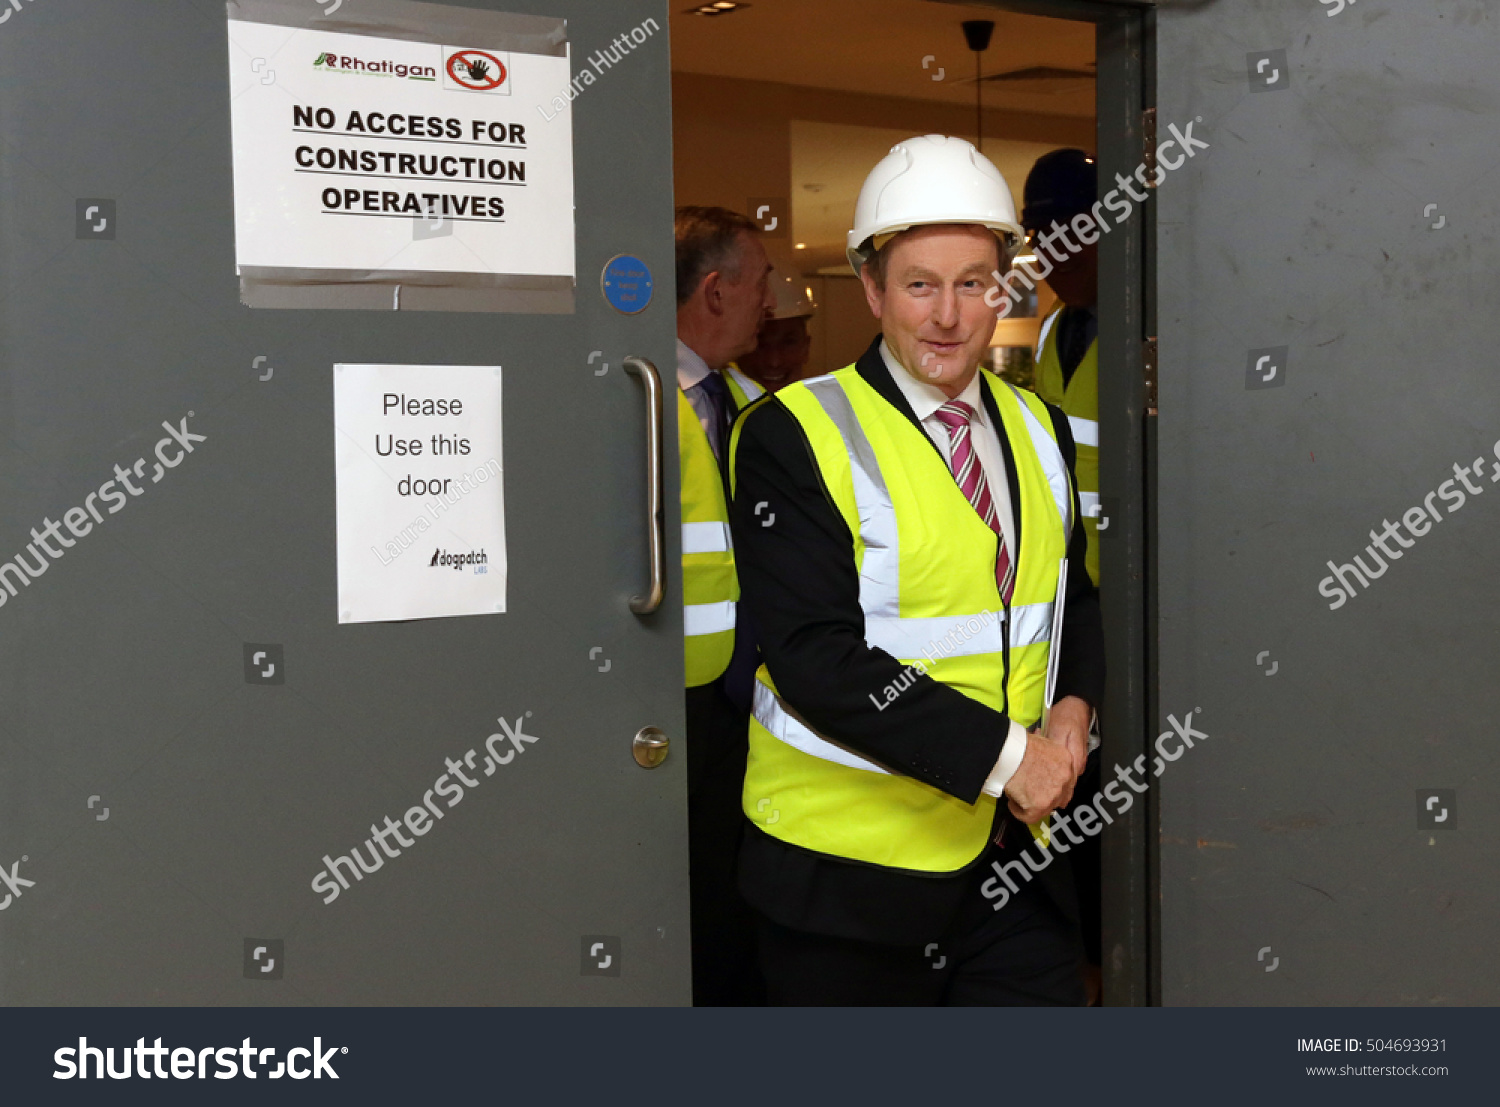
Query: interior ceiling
{"type": "Point", "coordinates": [879, 46]}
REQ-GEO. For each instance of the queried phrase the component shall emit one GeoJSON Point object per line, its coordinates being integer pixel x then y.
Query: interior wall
{"type": "Point", "coordinates": [732, 138]}
{"type": "Point", "coordinates": [843, 327]}
{"type": "Point", "coordinates": [732, 142]}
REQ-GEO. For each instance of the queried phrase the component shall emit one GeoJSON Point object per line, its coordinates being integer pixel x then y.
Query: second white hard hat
{"type": "Point", "coordinates": [930, 179]}
{"type": "Point", "coordinates": [793, 298]}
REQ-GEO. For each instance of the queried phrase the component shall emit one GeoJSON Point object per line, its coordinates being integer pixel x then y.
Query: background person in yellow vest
{"type": "Point", "coordinates": [1061, 186]}
{"type": "Point", "coordinates": [722, 296]}
{"type": "Point", "coordinates": [782, 348]}
{"type": "Point", "coordinates": [903, 607]}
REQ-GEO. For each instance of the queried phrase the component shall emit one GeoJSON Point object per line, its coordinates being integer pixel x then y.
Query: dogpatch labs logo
{"type": "Point", "coordinates": [442, 559]}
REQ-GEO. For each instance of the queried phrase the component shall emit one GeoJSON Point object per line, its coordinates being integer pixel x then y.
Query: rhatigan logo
{"type": "Point", "coordinates": [343, 63]}
{"type": "Point", "coordinates": [476, 70]}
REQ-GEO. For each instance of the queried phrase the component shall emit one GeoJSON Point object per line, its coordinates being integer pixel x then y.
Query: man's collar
{"type": "Point", "coordinates": [691, 369]}
{"type": "Point", "coordinates": [923, 398]}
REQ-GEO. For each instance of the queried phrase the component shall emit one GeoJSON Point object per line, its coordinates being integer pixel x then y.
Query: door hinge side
{"type": "Point", "coordinates": [1148, 371]}
{"type": "Point", "coordinates": [1148, 137]}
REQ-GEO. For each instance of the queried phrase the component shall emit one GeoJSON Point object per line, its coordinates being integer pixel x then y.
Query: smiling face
{"type": "Point", "coordinates": [781, 356]}
{"type": "Point", "coordinates": [931, 308]}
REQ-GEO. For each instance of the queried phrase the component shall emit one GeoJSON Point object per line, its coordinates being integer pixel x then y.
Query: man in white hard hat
{"type": "Point", "coordinates": [780, 354]}
{"type": "Point", "coordinates": [899, 528]}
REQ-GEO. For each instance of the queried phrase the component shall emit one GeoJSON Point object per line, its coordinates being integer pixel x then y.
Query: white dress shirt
{"type": "Point", "coordinates": [925, 399]}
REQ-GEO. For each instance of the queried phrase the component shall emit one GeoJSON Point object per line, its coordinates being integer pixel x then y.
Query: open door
{"type": "Point", "coordinates": [197, 737]}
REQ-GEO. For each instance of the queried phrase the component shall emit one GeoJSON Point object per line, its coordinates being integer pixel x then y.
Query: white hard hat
{"type": "Point", "coordinates": [930, 179]}
{"type": "Point", "coordinates": [794, 299]}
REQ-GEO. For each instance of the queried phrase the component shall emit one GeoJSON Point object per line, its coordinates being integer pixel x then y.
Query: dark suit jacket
{"type": "Point", "coordinates": [800, 587]}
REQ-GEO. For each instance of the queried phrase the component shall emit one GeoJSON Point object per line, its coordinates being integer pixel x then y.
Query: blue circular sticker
{"type": "Point", "coordinates": [626, 282]}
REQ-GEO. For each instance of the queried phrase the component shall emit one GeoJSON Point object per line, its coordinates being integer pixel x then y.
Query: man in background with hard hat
{"type": "Point", "coordinates": [900, 526]}
{"type": "Point", "coordinates": [1061, 186]}
{"type": "Point", "coordinates": [780, 355]}
{"type": "Point", "coordinates": [722, 295]}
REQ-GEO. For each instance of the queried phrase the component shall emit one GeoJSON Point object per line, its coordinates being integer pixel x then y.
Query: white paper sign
{"type": "Point", "coordinates": [362, 155]}
{"type": "Point", "coordinates": [421, 502]}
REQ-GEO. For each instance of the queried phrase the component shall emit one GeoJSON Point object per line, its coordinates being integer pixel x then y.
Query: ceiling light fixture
{"type": "Point", "coordinates": [977, 34]}
{"type": "Point", "coordinates": [719, 7]}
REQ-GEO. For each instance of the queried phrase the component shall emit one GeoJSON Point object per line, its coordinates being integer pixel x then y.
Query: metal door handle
{"type": "Point", "coordinates": [656, 536]}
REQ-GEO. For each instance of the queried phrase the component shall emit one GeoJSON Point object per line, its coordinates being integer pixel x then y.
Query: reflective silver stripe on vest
{"type": "Point", "coordinates": [880, 574]}
{"type": "Point", "coordinates": [963, 636]}
{"type": "Point", "coordinates": [960, 636]}
{"type": "Point", "coordinates": [1047, 325]}
{"type": "Point", "coordinates": [751, 390]}
{"type": "Point", "coordinates": [698, 538]}
{"type": "Point", "coordinates": [769, 713]}
{"type": "Point", "coordinates": [707, 618]}
{"type": "Point", "coordinates": [1085, 431]}
{"type": "Point", "coordinates": [1031, 624]}
{"type": "Point", "coordinates": [1050, 455]}
{"type": "Point", "coordinates": [1088, 503]}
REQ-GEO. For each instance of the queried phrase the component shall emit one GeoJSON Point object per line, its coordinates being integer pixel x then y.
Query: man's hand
{"type": "Point", "coordinates": [1068, 723]}
{"type": "Point", "coordinates": [1043, 782]}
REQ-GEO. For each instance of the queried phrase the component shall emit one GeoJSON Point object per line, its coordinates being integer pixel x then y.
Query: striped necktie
{"type": "Point", "coordinates": [955, 416]}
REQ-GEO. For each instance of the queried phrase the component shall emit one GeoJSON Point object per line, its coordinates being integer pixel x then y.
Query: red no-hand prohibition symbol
{"type": "Point", "coordinates": [476, 70]}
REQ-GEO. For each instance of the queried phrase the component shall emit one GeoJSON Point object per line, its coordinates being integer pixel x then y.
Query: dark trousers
{"type": "Point", "coordinates": [725, 972]}
{"type": "Point", "coordinates": [1088, 866]}
{"type": "Point", "coordinates": [1027, 954]}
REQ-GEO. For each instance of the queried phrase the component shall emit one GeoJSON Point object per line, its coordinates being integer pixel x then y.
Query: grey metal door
{"type": "Point", "coordinates": [186, 729]}
{"type": "Point", "coordinates": [1327, 275]}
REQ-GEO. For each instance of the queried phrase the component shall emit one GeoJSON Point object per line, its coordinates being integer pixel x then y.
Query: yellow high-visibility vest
{"type": "Point", "coordinates": [744, 390]}
{"type": "Point", "coordinates": [928, 591]}
{"type": "Point", "coordinates": [1080, 403]}
{"type": "Point", "coordinates": [710, 589]}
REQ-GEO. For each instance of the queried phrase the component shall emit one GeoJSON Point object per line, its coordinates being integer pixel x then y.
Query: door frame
{"type": "Point", "coordinates": [1125, 40]}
